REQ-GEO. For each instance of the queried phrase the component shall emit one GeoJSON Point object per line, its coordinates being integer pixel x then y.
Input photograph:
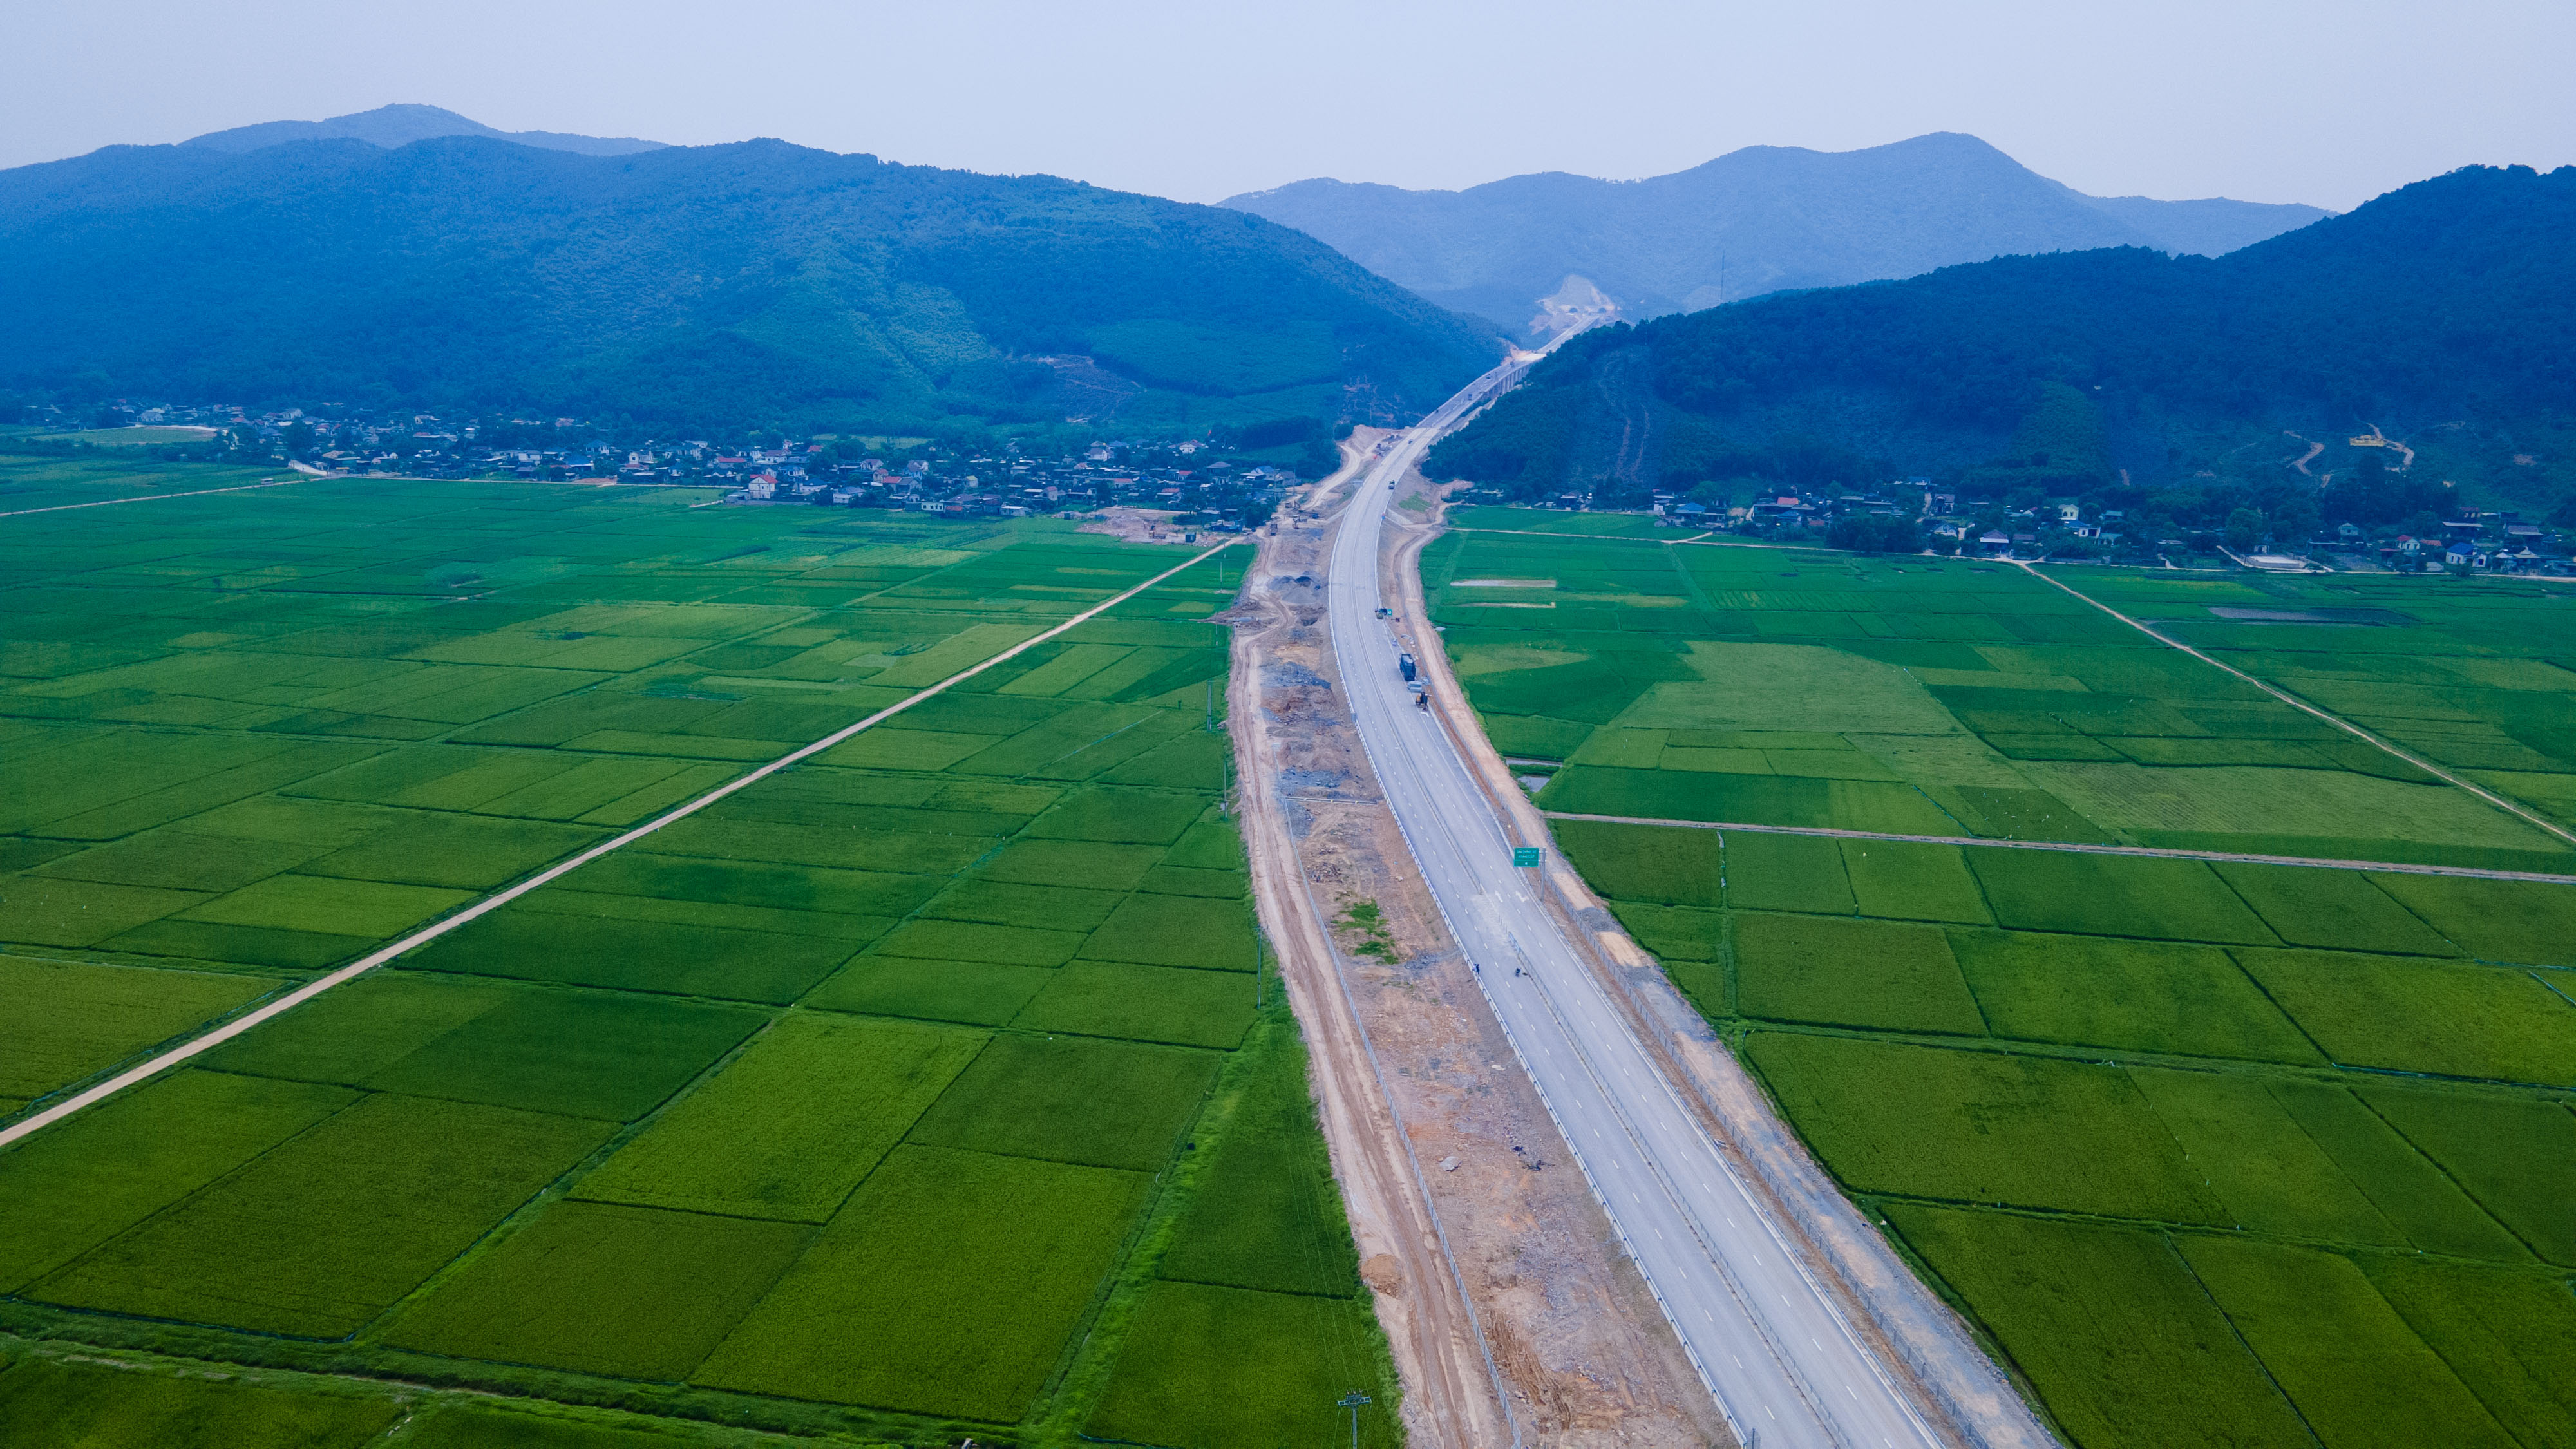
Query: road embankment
{"type": "Point", "coordinates": [1907, 1325]}
{"type": "Point", "coordinates": [1512, 1315]}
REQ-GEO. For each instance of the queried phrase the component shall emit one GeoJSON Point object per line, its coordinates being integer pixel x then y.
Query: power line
{"type": "Point", "coordinates": [1352, 1402]}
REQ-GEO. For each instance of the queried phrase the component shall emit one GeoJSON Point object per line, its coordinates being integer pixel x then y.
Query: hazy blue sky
{"type": "Point", "coordinates": [2328, 103]}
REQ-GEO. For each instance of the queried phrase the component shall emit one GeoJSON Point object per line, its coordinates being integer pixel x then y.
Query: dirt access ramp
{"type": "Point", "coordinates": [1932, 1355]}
{"type": "Point", "coordinates": [1513, 1314]}
{"type": "Point", "coordinates": [1136, 525]}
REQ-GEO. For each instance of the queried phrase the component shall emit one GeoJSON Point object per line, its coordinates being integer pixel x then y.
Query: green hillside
{"type": "Point", "coordinates": [2443, 313]}
{"type": "Point", "coordinates": [759, 284]}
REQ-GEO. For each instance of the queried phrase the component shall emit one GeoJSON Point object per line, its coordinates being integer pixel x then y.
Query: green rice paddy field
{"type": "Point", "coordinates": [44, 482]}
{"type": "Point", "coordinates": [914, 1093]}
{"type": "Point", "coordinates": [2210, 1153]}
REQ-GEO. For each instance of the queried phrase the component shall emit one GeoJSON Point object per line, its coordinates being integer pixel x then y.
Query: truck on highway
{"type": "Point", "coordinates": [1404, 665]}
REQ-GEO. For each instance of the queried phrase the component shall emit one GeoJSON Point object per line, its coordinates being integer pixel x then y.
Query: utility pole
{"type": "Point", "coordinates": [1211, 706]}
{"type": "Point", "coordinates": [1352, 1402]}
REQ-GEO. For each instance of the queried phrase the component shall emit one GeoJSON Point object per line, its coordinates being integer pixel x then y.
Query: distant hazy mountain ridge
{"type": "Point", "coordinates": [1763, 219]}
{"type": "Point", "coordinates": [2444, 312]}
{"type": "Point", "coordinates": [400, 125]}
{"type": "Point", "coordinates": [758, 284]}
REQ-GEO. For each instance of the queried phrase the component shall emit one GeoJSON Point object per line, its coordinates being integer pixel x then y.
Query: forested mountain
{"type": "Point", "coordinates": [403, 124]}
{"type": "Point", "coordinates": [758, 284]}
{"type": "Point", "coordinates": [1763, 219]}
{"type": "Point", "coordinates": [2443, 313]}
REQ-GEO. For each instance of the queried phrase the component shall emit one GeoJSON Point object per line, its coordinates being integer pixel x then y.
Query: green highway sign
{"type": "Point", "coordinates": [1525, 855]}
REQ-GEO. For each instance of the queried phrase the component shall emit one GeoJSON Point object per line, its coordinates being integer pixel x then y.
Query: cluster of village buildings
{"type": "Point", "coordinates": [2472, 539]}
{"type": "Point", "coordinates": [1222, 493]}
{"type": "Point", "coordinates": [1184, 478]}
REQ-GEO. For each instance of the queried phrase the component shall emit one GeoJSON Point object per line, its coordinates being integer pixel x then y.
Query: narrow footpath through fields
{"type": "Point", "coordinates": [497, 899]}
{"type": "Point", "coordinates": [154, 497]}
{"type": "Point", "coordinates": [2077, 847]}
{"type": "Point", "coordinates": [2338, 721]}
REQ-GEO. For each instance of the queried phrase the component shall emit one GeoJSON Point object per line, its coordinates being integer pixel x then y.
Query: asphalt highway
{"type": "Point", "coordinates": [1783, 1364]}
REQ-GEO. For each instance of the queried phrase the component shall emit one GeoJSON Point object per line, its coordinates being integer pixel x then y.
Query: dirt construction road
{"type": "Point", "coordinates": [1513, 1315]}
{"type": "Point", "coordinates": [1515, 1271]}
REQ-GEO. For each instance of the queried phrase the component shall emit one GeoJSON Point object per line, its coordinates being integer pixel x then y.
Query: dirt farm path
{"type": "Point", "coordinates": [153, 497]}
{"type": "Point", "coordinates": [2292, 700]}
{"type": "Point", "coordinates": [2078, 847]}
{"type": "Point", "coordinates": [484, 905]}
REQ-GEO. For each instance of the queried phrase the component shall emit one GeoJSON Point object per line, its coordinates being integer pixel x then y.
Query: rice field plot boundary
{"type": "Point", "coordinates": [2077, 848]}
{"type": "Point", "coordinates": [2097, 1053]}
{"type": "Point", "coordinates": [2047, 718]}
{"type": "Point", "coordinates": [496, 900]}
{"type": "Point", "coordinates": [150, 497]}
{"type": "Point", "coordinates": [2345, 1165]}
{"type": "Point", "coordinates": [2292, 700]}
